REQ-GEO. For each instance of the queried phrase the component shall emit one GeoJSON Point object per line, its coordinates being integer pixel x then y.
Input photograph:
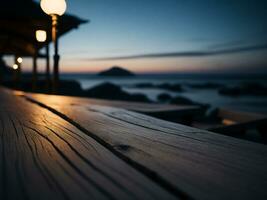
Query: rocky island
{"type": "Point", "coordinates": [116, 71]}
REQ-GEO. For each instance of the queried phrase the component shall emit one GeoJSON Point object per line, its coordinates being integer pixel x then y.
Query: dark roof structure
{"type": "Point", "coordinates": [19, 19]}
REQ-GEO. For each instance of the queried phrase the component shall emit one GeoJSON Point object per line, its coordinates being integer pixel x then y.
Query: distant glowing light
{"type": "Point", "coordinates": [15, 66]}
{"type": "Point", "coordinates": [41, 35]}
{"type": "Point", "coordinates": [20, 60]}
{"type": "Point", "coordinates": [54, 7]}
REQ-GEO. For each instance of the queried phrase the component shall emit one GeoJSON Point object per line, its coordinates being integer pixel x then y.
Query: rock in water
{"type": "Point", "coordinates": [116, 71]}
{"type": "Point", "coordinates": [164, 97]}
{"type": "Point", "coordinates": [114, 92]}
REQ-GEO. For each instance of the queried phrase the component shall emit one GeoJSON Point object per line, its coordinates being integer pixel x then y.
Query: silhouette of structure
{"type": "Point", "coordinates": [19, 20]}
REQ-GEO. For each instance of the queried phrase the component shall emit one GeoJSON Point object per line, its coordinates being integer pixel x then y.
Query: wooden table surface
{"type": "Point", "coordinates": [54, 148]}
{"type": "Point", "coordinates": [152, 109]}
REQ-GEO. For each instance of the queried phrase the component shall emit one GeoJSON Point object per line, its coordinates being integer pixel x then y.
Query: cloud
{"type": "Point", "coordinates": [187, 53]}
{"type": "Point", "coordinates": [227, 45]}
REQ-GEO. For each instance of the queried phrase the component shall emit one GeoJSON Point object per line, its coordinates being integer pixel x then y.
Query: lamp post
{"type": "Point", "coordinates": [41, 36]}
{"type": "Point", "coordinates": [54, 8]}
{"type": "Point", "coordinates": [17, 70]}
{"type": "Point", "coordinates": [19, 63]}
{"type": "Point", "coordinates": [15, 74]}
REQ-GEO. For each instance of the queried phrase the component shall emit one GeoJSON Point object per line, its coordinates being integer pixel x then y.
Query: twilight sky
{"type": "Point", "coordinates": [167, 36]}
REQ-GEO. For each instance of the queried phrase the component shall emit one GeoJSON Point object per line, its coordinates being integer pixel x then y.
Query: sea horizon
{"type": "Point", "coordinates": [210, 96]}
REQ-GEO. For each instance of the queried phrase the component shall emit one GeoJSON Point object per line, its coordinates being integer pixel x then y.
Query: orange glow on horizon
{"type": "Point", "coordinates": [156, 65]}
{"type": "Point", "coordinates": [137, 66]}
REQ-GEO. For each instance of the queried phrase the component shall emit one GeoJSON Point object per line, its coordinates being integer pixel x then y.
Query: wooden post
{"type": "Point", "coordinates": [56, 55]}
{"type": "Point", "coordinates": [2, 64]}
{"type": "Point", "coordinates": [47, 68]}
{"type": "Point", "coordinates": [17, 72]}
{"type": "Point", "coordinates": [34, 72]}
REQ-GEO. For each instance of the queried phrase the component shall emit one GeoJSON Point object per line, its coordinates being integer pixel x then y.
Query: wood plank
{"type": "Point", "coordinates": [42, 156]}
{"type": "Point", "coordinates": [240, 116]}
{"type": "Point", "coordinates": [152, 109]}
{"type": "Point", "coordinates": [202, 164]}
{"type": "Point", "coordinates": [240, 122]}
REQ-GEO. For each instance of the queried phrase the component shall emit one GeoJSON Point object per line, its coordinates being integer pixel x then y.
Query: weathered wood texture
{"type": "Point", "coordinates": [239, 116]}
{"type": "Point", "coordinates": [42, 156]}
{"type": "Point", "coordinates": [202, 164]}
{"type": "Point", "coordinates": [163, 111]}
{"type": "Point", "coordinates": [241, 121]}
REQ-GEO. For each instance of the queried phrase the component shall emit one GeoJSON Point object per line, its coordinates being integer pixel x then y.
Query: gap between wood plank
{"type": "Point", "coordinates": [142, 169]}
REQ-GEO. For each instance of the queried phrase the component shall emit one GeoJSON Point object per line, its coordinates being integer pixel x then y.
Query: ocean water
{"type": "Point", "coordinates": [257, 104]}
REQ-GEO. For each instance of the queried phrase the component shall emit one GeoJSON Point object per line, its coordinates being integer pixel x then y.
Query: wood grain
{"type": "Point", "coordinates": [241, 121]}
{"type": "Point", "coordinates": [42, 156]}
{"type": "Point", "coordinates": [202, 164]}
{"type": "Point", "coordinates": [152, 109]}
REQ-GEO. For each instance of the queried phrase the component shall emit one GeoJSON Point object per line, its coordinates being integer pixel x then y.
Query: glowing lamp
{"type": "Point", "coordinates": [40, 35]}
{"type": "Point", "coordinates": [19, 60]}
{"type": "Point", "coordinates": [15, 66]}
{"type": "Point", "coordinates": [54, 7]}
